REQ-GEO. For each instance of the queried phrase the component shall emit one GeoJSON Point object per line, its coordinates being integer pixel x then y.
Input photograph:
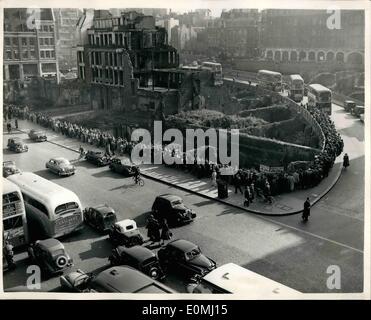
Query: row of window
{"type": "Point", "coordinates": [28, 54]}
{"type": "Point", "coordinates": [8, 41]}
{"type": "Point", "coordinates": [108, 76]}
{"type": "Point", "coordinates": [46, 41]}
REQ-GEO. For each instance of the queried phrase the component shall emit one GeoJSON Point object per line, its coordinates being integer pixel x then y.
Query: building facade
{"type": "Point", "coordinates": [121, 56]}
{"type": "Point", "coordinates": [313, 35]}
{"type": "Point", "coordinates": [65, 23]}
{"type": "Point", "coordinates": [29, 45]}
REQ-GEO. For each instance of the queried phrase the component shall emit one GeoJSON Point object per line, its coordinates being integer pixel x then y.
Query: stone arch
{"type": "Point", "coordinates": [330, 56]}
{"type": "Point", "coordinates": [340, 56]}
{"type": "Point", "coordinates": [293, 56]}
{"type": "Point", "coordinates": [277, 55]}
{"type": "Point", "coordinates": [270, 55]}
{"type": "Point", "coordinates": [302, 55]}
{"type": "Point", "coordinates": [285, 56]}
{"type": "Point", "coordinates": [311, 56]}
{"type": "Point", "coordinates": [321, 56]}
{"type": "Point", "coordinates": [355, 58]}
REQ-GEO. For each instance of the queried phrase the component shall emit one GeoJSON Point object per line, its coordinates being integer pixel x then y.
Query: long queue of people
{"type": "Point", "coordinates": [247, 181]}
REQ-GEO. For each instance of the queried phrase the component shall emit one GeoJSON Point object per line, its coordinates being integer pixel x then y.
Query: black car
{"type": "Point", "coordinates": [50, 255]}
{"type": "Point", "coordinates": [185, 258]}
{"type": "Point", "coordinates": [100, 217]}
{"type": "Point", "coordinates": [118, 166]}
{"type": "Point", "coordinates": [16, 144]}
{"type": "Point", "coordinates": [115, 279]}
{"type": "Point", "coordinates": [37, 136]}
{"type": "Point", "coordinates": [98, 158]}
{"type": "Point", "coordinates": [172, 208]}
{"type": "Point", "coordinates": [140, 258]}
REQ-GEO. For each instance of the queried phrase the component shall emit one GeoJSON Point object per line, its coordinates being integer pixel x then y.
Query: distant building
{"type": "Point", "coordinates": [234, 34]}
{"type": "Point", "coordinates": [65, 22]}
{"type": "Point", "coordinates": [29, 44]}
{"type": "Point", "coordinates": [304, 35]}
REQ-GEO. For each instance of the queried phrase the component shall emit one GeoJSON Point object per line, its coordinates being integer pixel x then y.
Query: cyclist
{"type": "Point", "coordinates": [82, 152]}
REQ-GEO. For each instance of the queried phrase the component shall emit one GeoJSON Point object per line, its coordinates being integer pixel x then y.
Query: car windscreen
{"type": "Point", "coordinates": [58, 252]}
{"type": "Point", "coordinates": [192, 253]}
{"type": "Point", "coordinates": [176, 202]}
{"type": "Point", "coordinates": [109, 217]}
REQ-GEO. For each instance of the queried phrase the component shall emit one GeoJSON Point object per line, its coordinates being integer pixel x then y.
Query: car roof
{"type": "Point", "coordinates": [181, 244]}
{"type": "Point", "coordinates": [126, 279]}
{"type": "Point", "coordinates": [169, 197]}
{"type": "Point", "coordinates": [8, 162]}
{"type": "Point", "coordinates": [16, 139]}
{"type": "Point", "coordinates": [124, 223]}
{"type": "Point", "coordinates": [50, 244]}
{"type": "Point", "coordinates": [139, 253]}
{"type": "Point", "coordinates": [103, 209]}
{"type": "Point", "coordinates": [59, 159]}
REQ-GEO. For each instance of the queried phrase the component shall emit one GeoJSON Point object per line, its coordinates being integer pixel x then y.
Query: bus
{"type": "Point", "coordinates": [296, 87]}
{"type": "Point", "coordinates": [270, 80]}
{"type": "Point", "coordinates": [217, 70]}
{"type": "Point", "coordinates": [319, 97]}
{"type": "Point", "coordinates": [52, 211]}
{"type": "Point", "coordinates": [14, 215]}
{"type": "Point", "coordinates": [231, 278]}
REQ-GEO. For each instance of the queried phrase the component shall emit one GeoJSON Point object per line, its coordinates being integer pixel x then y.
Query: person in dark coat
{"type": "Point", "coordinates": [345, 161]}
{"type": "Point", "coordinates": [16, 123]}
{"type": "Point", "coordinates": [247, 196]}
{"type": "Point", "coordinates": [306, 211]}
{"type": "Point", "coordinates": [166, 234]}
{"type": "Point", "coordinates": [153, 227]}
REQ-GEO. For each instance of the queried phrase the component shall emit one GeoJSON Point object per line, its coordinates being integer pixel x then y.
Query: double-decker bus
{"type": "Point", "coordinates": [270, 80]}
{"type": "Point", "coordinates": [217, 70]}
{"type": "Point", "coordinates": [14, 215]}
{"type": "Point", "coordinates": [319, 97]}
{"type": "Point", "coordinates": [296, 87]}
{"type": "Point", "coordinates": [51, 210]}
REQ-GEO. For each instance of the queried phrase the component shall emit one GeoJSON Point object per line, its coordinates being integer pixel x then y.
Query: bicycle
{"type": "Point", "coordinates": [138, 180]}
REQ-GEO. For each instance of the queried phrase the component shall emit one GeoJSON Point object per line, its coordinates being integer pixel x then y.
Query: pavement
{"type": "Point", "coordinates": [282, 205]}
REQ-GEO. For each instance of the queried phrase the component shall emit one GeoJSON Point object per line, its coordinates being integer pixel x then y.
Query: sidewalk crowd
{"type": "Point", "coordinates": [248, 181]}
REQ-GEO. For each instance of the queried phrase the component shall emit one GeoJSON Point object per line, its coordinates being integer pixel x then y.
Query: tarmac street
{"type": "Point", "coordinates": [281, 248]}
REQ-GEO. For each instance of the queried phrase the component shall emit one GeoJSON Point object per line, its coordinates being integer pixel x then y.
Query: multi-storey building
{"type": "Point", "coordinates": [65, 23]}
{"type": "Point", "coordinates": [234, 34]}
{"type": "Point", "coordinates": [123, 54]}
{"type": "Point", "coordinates": [29, 44]}
{"type": "Point", "coordinates": [313, 35]}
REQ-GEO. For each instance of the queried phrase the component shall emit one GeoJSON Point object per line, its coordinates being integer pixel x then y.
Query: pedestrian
{"type": "Point", "coordinates": [16, 123]}
{"type": "Point", "coordinates": [213, 178]}
{"type": "Point", "coordinates": [346, 161]}
{"type": "Point", "coordinates": [306, 211]}
{"type": "Point", "coordinates": [153, 227]}
{"type": "Point", "coordinates": [166, 234]}
{"type": "Point", "coordinates": [247, 196]}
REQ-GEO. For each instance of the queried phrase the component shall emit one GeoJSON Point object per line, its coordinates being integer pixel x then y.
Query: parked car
{"type": "Point", "coordinates": [50, 255]}
{"type": "Point", "coordinates": [98, 158]}
{"type": "Point", "coordinates": [60, 166]}
{"type": "Point", "coordinates": [9, 168]}
{"type": "Point", "coordinates": [126, 169]}
{"type": "Point", "coordinates": [17, 145]}
{"type": "Point", "coordinates": [125, 232]}
{"type": "Point", "coordinates": [115, 279]}
{"type": "Point", "coordinates": [349, 105]}
{"type": "Point", "coordinates": [140, 258]}
{"type": "Point", "coordinates": [37, 136]}
{"type": "Point", "coordinates": [186, 258]}
{"type": "Point", "coordinates": [100, 217]}
{"type": "Point", "coordinates": [358, 110]}
{"type": "Point", "coordinates": [172, 208]}
{"type": "Point", "coordinates": [362, 117]}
